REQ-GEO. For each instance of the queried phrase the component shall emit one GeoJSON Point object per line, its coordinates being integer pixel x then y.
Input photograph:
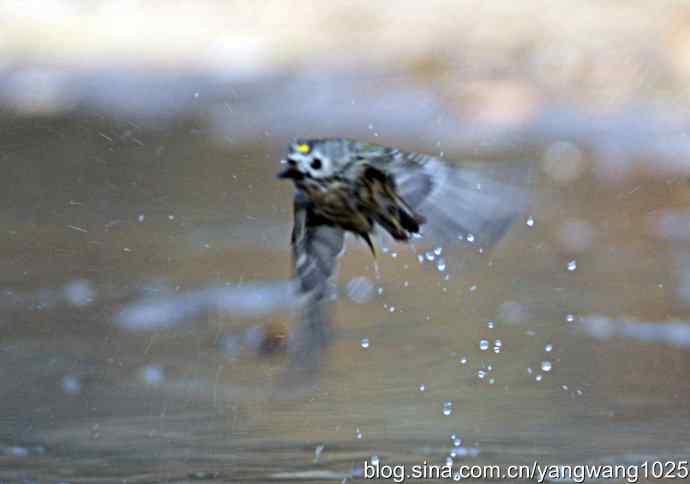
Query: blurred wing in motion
{"type": "Point", "coordinates": [476, 204]}
{"type": "Point", "coordinates": [315, 250]}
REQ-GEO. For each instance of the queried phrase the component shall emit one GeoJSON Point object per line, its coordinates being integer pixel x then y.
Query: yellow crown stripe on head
{"type": "Point", "coordinates": [303, 148]}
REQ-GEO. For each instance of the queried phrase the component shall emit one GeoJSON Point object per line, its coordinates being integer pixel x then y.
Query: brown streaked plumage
{"type": "Point", "coordinates": [345, 185]}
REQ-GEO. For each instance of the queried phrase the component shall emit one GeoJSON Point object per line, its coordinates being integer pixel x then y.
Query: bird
{"type": "Point", "coordinates": [347, 186]}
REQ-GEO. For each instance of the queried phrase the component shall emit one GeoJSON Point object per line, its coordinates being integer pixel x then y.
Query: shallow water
{"type": "Point", "coordinates": [103, 214]}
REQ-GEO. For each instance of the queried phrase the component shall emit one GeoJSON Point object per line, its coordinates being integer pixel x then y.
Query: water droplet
{"type": "Point", "coordinates": [394, 255]}
{"type": "Point", "coordinates": [447, 408]}
{"type": "Point", "coordinates": [530, 222]}
{"type": "Point", "coordinates": [492, 381]}
{"type": "Point", "coordinates": [391, 309]}
{"type": "Point", "coordinates": [546, 366]}
{"type": "Point", "coordinates": [380, 291]}
{"type": "Point", "coordinates": [457, 441]}
{"type": "Point", "coordinates": [374, 460]}
{"type": "Point", "coordinates": [538, 378]}
{"type": "Point", "coordinates": [463, 360]}
{"type": "Point", "coordinates": [140, 218]}
{"type": "Point", "coordinates": [481, 374]}
{"type": "Point", "coordinates": [529, 370]}
{"type": "Point", "coordinates": [420, 258]}
{"type": "Point", "coordinates": [422, 387]}
{"type": "Point", "coordinates": [365, 343]}
{"type": "Point", "coordinates": [449, 461]}
{"type": "Point", "coordinates": [572, 265]}
{"type": "Point", "coordinates": [438, 250]}
{"type": "Point", "coordinates": [473, 288]}
{"type": "Point", "coordinates": [441, 265]}
{"type": "Point", "coordinates": [483, 345]}
{"type": "Point", "coordinates": [564, 387]}
{"type": "Point", "coordinates": [429, 256]}
{"type": "Point", "coordinates": [171, 217]}
{"type": "Point", "coordinates": [358, 434]}
{"type": "Point", "coordinates": [491, 324]}
{"type": "Point", "coordinates": [570, 318]}
{"type": "Point", "coordinates": [470, 238]}
{"type": "Point", "coordinates": [548, 348]}
{"type": "Point", "coordinates": [498, 343]}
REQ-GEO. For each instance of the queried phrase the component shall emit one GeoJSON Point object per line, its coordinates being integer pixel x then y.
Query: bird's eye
{"type": "Point", "coordinates": [316, 164]}
{"type": "Point", "coordinates": [291, 162]}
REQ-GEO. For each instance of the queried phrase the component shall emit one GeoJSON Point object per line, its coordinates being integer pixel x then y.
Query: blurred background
{"type": "Point", "coordinates": [145, 238]}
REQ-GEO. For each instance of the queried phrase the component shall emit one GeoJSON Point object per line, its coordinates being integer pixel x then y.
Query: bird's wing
{"type": "Point", "coordinates": [474, 204]}
{"type": "Point", "coordinates": [315, 250]}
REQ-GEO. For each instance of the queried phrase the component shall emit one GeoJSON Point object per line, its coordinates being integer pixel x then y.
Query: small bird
{"type": "Point", "coordinates": [344, 185]}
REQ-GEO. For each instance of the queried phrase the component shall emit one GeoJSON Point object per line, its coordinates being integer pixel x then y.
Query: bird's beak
{"type": "Point", "coordinates": [291, 173]}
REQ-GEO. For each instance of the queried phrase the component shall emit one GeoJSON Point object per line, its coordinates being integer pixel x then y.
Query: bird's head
{"type": "Point", "coordinates": [312, 159]}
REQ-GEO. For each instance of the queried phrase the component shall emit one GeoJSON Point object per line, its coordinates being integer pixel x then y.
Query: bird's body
{"type": "Point", "coordinates": [360, 198]}
{"type": "Point", "coordinates": [344, 185]}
